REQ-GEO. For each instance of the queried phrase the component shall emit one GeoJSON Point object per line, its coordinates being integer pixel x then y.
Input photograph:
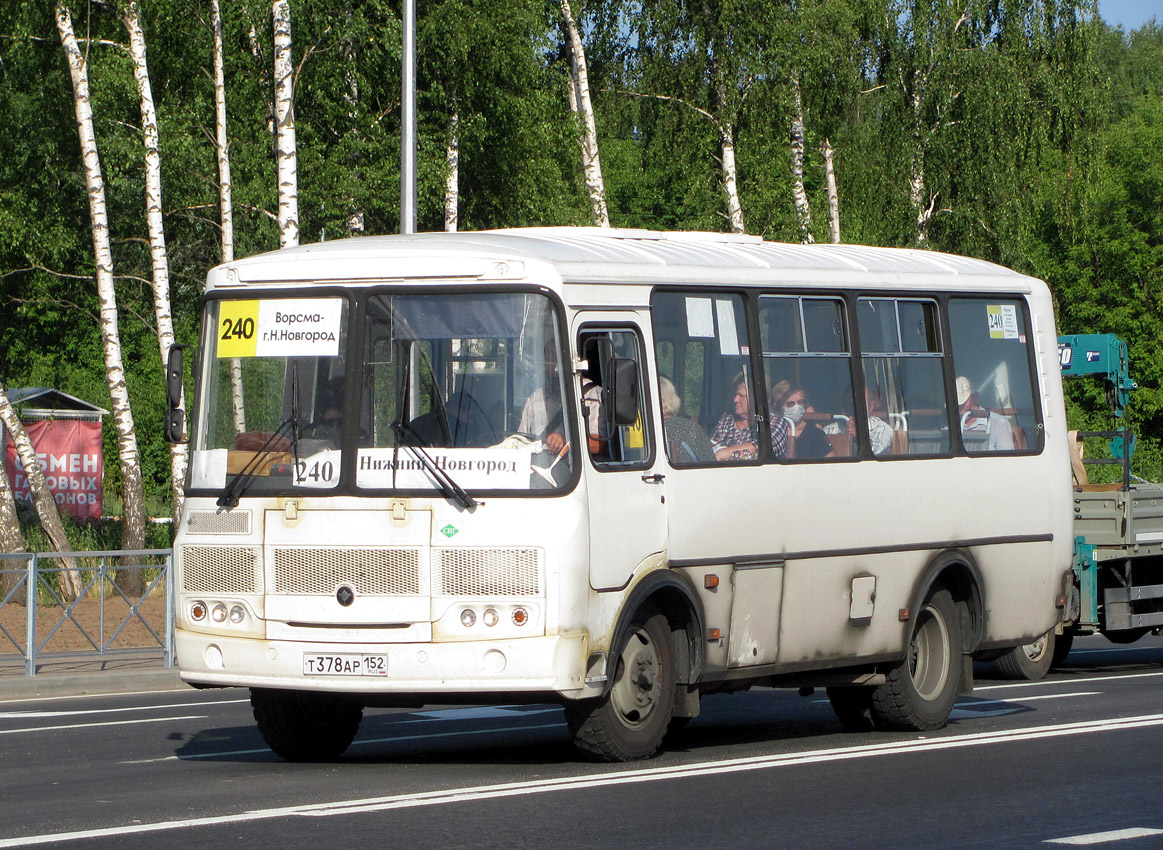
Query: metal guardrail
{"type": "Point", "coordinates": [34, 582]}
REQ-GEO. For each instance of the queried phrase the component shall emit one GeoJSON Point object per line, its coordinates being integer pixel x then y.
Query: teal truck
{"type": "Point", "coordinates": [1117, 584]}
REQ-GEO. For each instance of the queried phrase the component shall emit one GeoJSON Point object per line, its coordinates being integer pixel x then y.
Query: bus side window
{"type": "Point", "coordinates": [996, 410]}
{"type": "Point", "coordinates": [904, 375]}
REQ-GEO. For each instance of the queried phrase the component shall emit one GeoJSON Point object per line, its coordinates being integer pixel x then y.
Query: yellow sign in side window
{"type": "Point", "coordinates": [237, 332]}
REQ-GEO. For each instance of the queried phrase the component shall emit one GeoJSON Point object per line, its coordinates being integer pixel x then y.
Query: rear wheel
{"type": "Point", "coordinates": [304, 725]}
{"type": "Point", "coordinates": [920, 690]}
{"type": "Point", "coordinates": [631, 720]}
{"type": "Point", "coordinates": [1032, 661]}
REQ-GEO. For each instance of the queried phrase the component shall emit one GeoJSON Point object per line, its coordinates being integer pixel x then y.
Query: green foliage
{"type": "Point", "coordinates": [1038, 128]}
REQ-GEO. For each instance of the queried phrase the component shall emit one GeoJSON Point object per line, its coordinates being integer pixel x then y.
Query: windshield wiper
{"type": "Point", "coordinates": [451, 490]}
{"type": "Point", "coordinates": [289, 427]}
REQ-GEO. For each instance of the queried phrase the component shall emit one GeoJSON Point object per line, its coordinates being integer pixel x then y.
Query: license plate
{"type": "Point", "coordinates": [345, 664]}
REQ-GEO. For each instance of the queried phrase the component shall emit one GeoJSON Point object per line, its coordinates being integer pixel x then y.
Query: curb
{"type": "Point", "coordinates": [79, 684]}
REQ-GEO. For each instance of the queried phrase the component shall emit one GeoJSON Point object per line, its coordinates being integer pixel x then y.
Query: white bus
{"type": "Point", "coordinates": [615, 470]}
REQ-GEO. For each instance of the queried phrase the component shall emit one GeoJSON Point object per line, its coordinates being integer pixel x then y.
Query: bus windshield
{"type": "Point", "coordinates": [449, 392]}
{"type": "Point", "coordinates": [471, 384]}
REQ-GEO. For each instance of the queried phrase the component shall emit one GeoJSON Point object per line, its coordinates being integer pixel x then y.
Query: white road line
{"type": "Point", "coordinates": [1104, 837]}
{"type": "Point", "coordinates": [1020, 700]}
{"type": "Point", "coordinates": [1122, 649]}
{"type": "Point", "coordinates": [110, 723]}
{"type": "Point", "coordinates": [605, 780]}
{"type": "Point", "coordinates": [1043, 682]}
{"type": "Point", "coordinates": [181, 687]}
{"type": "Point", "coordinates": [393, 740]}
{"type": "Point", "coordinates": [18, 715]}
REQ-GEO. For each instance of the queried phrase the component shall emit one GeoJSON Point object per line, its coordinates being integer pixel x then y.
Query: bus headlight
{"type": "Point", "coordinates": [218, 613]}
{"type": "Point", "coordinates": [468, 618]}
{"type": "Point", "coordinates": [198, 611]}
{"type": "Point", "coordinates": [490, 617]}
{"type": "Point", "coordinates": [237, 614]}
{"type": "Point", "coordinates": [520, 616]}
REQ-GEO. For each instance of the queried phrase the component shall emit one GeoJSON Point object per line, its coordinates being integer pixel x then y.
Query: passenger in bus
{"type": "Point", "coordinates": [879, 431]}
{"type": "Point", "coordinates": [810, 441]}
{"type": "Point", "coordinates": [979, 424]}
{"type": "Point", "coordinates": [541, 417]}
{"type": "Point", "coordinates": [686, 441]}
{"type": "Point", "coordinates": [735, 436]}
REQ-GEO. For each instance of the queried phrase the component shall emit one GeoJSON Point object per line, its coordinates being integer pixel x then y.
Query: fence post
{"type": "Point", "coordinates": [30, 636]}
{"type": "Point", "coordinates": [169, 649]}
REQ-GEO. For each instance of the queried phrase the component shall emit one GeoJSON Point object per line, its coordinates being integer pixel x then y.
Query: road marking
{"type": "Point", "coordinates": [1112, 678]}
{"type": "Point", "coordinates": [605, 780]}
{"type": "Point", "coordinates": [110, 723]}
{"type": "Point", "coordinates": [1123, 649]}
{"type": "Point", "coordinates": [972, 705]}
{"type": "Point", "coordinates": [1104, 837]}
{"type": "Point", "coordinates": [182, 687]}
{"type": "Point", "coordinates": [40, 715]}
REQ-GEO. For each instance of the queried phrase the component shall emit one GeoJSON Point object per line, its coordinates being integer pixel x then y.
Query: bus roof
{"type": "Point", "coordinates": [608, 255]}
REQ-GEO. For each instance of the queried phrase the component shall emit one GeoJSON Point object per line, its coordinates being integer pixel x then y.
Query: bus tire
{"type": "Point", "coordinates": [1030, 662]}
{"type": "Point", "coordinates": [920, 690]}
{"type": "Point", "coordinates": [853, 707]}
{"type": "Point", "coordinates": [304, 725]}
{"type": "Point", "coordinates": [630, 721]}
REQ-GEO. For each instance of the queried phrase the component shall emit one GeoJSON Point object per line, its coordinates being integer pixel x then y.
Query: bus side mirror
{"type": "Point", "coordinates": [624, 393]}
{"type": "Point", "coordinates": [175, 425]}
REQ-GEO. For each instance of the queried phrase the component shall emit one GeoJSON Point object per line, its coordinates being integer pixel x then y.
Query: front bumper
{"type": "Point", "coordinates": [537, 664]}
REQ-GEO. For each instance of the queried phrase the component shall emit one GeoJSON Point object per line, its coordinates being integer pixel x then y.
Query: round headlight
{"type": "Point", "coordinates": [490, 618]}
{"type": "Point", "coordinates": [468, 618]}
{"type": "Point", "coordinates": [237, 614]}
{"type": "Point", "coordinates": [218, 613]}
{"type": "Point", "coordinates": [520, 616]}
{"type": "Point", "coordinates": [198, 611]}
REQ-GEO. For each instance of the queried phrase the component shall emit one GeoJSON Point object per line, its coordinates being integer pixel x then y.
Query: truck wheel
{"type": "Point", "coordinates": [1032, 661]}
{"type": "Point", "coordinates": [303, 725]}
{"type": "Point", "coordinates": [630, 721]}
{"type": "Point", "coordinates": [920, 690]}
{"type": "Point", "coordinates": [853, 707]}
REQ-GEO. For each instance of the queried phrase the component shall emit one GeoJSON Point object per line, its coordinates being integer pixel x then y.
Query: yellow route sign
{"type": "Point", "coordinates": [237, 332]}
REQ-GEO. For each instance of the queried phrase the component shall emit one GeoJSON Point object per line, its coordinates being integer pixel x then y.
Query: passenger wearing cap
{"type": "Point", "coordinates": [979, 422]}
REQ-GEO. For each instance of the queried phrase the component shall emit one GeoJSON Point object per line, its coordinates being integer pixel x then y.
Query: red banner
{"type": "Point", "coordinates": [71, 459]}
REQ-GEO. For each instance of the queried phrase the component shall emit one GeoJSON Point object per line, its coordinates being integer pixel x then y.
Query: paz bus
{"type": "Point", "coordinates": [615, 470]}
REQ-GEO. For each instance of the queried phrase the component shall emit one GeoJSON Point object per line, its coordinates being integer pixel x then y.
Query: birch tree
{"type": "Point", "coordinates": [829, 154]}
{"type": "Point", "coordinates": [803, 207]}
{"type": "Point", "coordinates": [225, 195]}
{"type": "Point", "coordinates": [159, 259]}
{"type": "Point", "coordinates": [452, 174]}
{"type": "Point", "coordinates": [133, 504]}
{"type": "Point", "coordinates": [11, 540]}
{"type": "Point", "coordinates": [285, 149]}
{"type": "Point", "coordinates": [581, 105]}
{"type": "Point", "coordinates": [42, 498]}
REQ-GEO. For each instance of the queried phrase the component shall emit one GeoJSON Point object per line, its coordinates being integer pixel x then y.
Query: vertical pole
{"type": "Point", "coordinates": [408, 123]}
{"type": "Point", "coordinates": [30, 635]}
{"type": "Point", "coordinates": [168, 652]}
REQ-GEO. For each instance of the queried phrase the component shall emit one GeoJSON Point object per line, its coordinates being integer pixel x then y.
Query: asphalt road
{"type": "Point", "coordinates": [1077, 757]}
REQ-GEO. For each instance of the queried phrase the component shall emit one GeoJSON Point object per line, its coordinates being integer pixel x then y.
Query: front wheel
{"type": "Point", "coordinates": [1032, 661]}
{"type": "Point", "coordinates": [304, 725]}
{"type": "Point", "coordinates": [920, 690]}
{"type": "Point", "coordinates": [630, 721]}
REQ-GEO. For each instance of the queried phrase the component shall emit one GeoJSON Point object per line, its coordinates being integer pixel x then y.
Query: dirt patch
{"type": "Point", "coordinates": [89, 625]}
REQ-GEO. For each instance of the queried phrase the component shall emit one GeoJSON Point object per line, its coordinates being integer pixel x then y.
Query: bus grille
{"type": "Point", "coordinates": [369, 572]}
{"type": "Point", "coordinates": [488, 572]}
{"type": "Point", "coordinates": [221, 569]}
{"type": "Point", "coordinates": [212, 522]}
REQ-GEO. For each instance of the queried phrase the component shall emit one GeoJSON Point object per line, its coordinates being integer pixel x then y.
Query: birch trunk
{"type": "Point", "coordinates": [11, 540]}
{"type": "Point", "coordinates": [285, 150]}
{"type": "Point", "coordinates": [155, 223]}
{"type": "Point", "coordinates": [452, 177]}
{"type": "Point", "coordinates": [917, 170]}
{"type": "Point", "coordinates": [829, 154]}
{"type": "Point", "coordinates": [803, 207]}
{"type": "Point", "coordinates": [133, 503]}
{"type": "Point", "coordinates": [730, 179]}
{"type": "Point", "coordinates": [582, 106]}
{"type": "Point", "coordinates": [42, 498]}
{"type": "Point", "coordinates": [225, 194]}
